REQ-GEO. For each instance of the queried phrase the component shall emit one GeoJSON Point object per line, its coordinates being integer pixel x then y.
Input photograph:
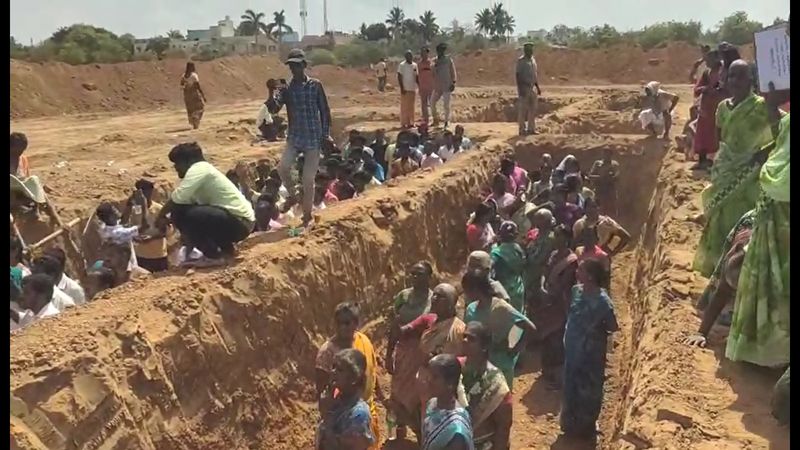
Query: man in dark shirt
{"type": "Point", "coordinates": [309, 119]}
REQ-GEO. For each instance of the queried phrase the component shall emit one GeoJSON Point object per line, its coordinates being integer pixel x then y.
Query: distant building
{"type": "Point", "coordinates": [310, 42]}
{"type": "Point", "coordinates": [219, 38]}
{"type": "Point", "coordinates": [290, 38]}
{"type": "Point", "coordinates": [537, 34]}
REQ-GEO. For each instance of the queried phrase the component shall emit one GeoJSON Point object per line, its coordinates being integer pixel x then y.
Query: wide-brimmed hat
{"type": "Point", "coordinates": [296, 56]}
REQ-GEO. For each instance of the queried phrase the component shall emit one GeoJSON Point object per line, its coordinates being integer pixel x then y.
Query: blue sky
{"type": "Point", "coordinates": [37, 19]}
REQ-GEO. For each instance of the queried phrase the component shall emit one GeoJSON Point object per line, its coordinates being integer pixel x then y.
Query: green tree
{"type": "Point", "coordinates": [504, 23]}
{"type": "Point", "coordinates": [395, 21]}
{"type": "Point", "coordinates": [374, 32]}
{"type": "Point", "coordinates": [484, 21]}
{"type": "Point", "coordinates": [320, 56]}
{"type": "Point", "coordinates": [429, 26]}
{"type": "Point", "coordinates": [158, 45]}
{"type": "Point", "coordinates": [72, 53]}
{"type": "Point", "coordinates": [738, 29]}
{"type": "Point", "coordinates": [252, 24]}
{"type": "Point", "coordinates": [278, 27]}
{"type": "Point", "coordinates": [174, 34]}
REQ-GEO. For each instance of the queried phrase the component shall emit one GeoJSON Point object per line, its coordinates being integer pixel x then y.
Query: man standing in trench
{"type": "Point", "coordinates": [309, 119]}
{"type": "Point", "coordinates": [528, 91]}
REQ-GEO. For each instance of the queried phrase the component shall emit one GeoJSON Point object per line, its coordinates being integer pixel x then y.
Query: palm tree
{"type": "Point", "coordinates": [484, 20]}
{"type": "Point", "coordinates": [429, 26]}
{"type": "Point", "coordinates": [278, 26]}
{"type": "Point", "coordinates": [395, 21]}
{"type": "Point", "coordinates": [174, 34]}
{"type": "Point", "coordinates": [252, 22]}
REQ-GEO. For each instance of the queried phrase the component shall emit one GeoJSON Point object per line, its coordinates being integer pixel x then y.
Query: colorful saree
{"type": "Point", "coordinates": [441, 426]}
{"type": "Point", "coordinates": [485, 393]}
{"type": "Point", "coordinates": [508, 263]}
{"type": "Point", "coordinates": [408, 358]}
{"type": "Point", "coordinates": [745, 129]}
{"type": "Point", "coordinates": [760, 328]}
{"type": "Point", "coordinates": [193, 99]}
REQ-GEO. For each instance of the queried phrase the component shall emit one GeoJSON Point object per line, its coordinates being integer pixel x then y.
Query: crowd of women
{"type": "Point", "coordinates": [542, 275]}
{"type": "Point", "coordinates": [744, 247]}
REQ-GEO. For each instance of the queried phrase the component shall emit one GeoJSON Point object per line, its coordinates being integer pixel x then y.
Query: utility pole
{"type": "Point", "coordinates": [303, 16]}
{"type": "Point", "coordinates": [325, 16]}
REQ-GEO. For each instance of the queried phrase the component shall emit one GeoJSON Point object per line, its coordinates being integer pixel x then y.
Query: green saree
{"type": "Point", "coordinates": [508, 263]}
{"type": "Point", "coordinates": [734, 190]}
{"type": "Point", "coordinates": [760, 328]}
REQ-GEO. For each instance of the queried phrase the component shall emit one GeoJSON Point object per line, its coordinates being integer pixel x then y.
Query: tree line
{"type": "Point", "coordinates": [493, 26]}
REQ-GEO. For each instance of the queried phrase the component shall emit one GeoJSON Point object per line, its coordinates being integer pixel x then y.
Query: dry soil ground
{"type": "Point", "coordinates": [224, 359]}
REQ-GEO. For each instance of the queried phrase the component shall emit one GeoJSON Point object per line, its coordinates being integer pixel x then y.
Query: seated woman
{"type": "Point", "coordinates": [346, 419]}
{"type": "Point", "coordinates": [488, 396]}
{"type": "Point", "coordinates": [447, 425]}
{"type": "Point", "coordinates": [346, 316]}
{"type": "Point", "coordinates": [26, 189]}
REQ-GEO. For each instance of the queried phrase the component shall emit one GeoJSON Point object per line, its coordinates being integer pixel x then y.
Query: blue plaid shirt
{"type": "Point", "coordinates": [308, 113]}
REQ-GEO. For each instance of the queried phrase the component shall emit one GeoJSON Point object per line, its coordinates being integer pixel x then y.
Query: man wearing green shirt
{"type": "Point", "coordinates": [207, 208]}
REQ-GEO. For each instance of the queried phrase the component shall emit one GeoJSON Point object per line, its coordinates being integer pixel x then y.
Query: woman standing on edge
{"type": "Point", "coordinates": [591, 320]}
{"type": "Point", "coordinates": [193, 95]}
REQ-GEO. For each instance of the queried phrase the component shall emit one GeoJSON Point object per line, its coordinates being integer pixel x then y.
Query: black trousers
{"type": "Point", "coordinates": [210, 229]}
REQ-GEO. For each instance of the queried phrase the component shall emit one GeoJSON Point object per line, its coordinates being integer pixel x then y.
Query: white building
{"type": "Point", "coordinates": [537, 34]}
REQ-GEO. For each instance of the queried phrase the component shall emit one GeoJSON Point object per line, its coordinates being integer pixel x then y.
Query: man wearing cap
{"type": "Point", "coordinates": [309, 119]}
{"type": "Point", "coordinates": [528, 91]}
{"type": "Point", "coordinates": [481, 262]}
{"type": "Point", "coordinates": [444, 83]}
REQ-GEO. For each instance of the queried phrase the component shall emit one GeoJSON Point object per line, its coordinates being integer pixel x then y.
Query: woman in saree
{"type": "Point", "coordinates": [591, 321]}
{"type": "Point", "coordinates": [508, 262]}
{"type": "Point", "coordinates": [403, 354]}
{"type": "Point", "coordinates": [489, 401]}
{"type": "Point", "coordinates": [346, 316]}
{"type": "Point", "coordinates": [193, 95]}
{"type": "Point", "coordinates": [480, 233]}
{"type": "Point", "coordinates": [744, 128]}
{"type": "Point", "coordinates": [709, 92]}
{"type": "Point", "coordinates": [760, 327]}
{"type": "Point", "coordinates": [510, 328]}
{"type": "Point", "coordinates": [345, 415]}
{"type": "Point", "coordinates": [550, 314]}
{"type": "Point", "coordinates": [447, 424]}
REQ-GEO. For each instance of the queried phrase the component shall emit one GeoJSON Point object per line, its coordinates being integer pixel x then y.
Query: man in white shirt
{"type": "Point", "coordinates": [36, 301]}
{"type": "Point", "coordinates": [407, 79]}
{"type": "Point", "coordinates": [460, 140]}
{"type": "Point", "coordinates": [50, 266]}
{"type": "Point", "coordinates": [380, 73]}
{"type": "Point", "coordinates": [430, 158]}
{"type": "Point", "coordinates": [70, 287]}
{"type": "Point", "coordinates": [449, 149]}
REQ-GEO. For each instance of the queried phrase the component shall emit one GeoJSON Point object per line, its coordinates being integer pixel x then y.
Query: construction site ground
{"type": "Point", "coordinates": [224, 359]}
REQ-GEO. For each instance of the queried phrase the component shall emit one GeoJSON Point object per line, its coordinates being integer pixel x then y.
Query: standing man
{"type": "Point", "coordinates": [309, 119]}
{"type": "Point", "coordinates": [528, 91]}
{"type": "Point", "coordinates": [444, 83]}
{"type": "Point", "coordinates": [407, 79]}
{"type": "Point", "coordinates": [380, 72]}
{"type": "Point", "coordinates": [425, 69]}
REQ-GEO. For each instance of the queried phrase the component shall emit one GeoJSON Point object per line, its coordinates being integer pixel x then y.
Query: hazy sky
{"type": "Point", "coordinates": [37, 19]}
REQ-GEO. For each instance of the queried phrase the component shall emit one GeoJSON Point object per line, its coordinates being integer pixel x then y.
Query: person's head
{"type": "Point", "coordinates": [430, 147]}
{"type": "Point", "coordinates": [18, 143]}
{"type": "Point", "coordinates": [651, 89]}
{"type": "Point", "coordinates": [443, 301]}
{"type": "Point", "coordinates": [458, 132]}
{"type": "Point", "coordinates": [49, 266]}
{"type": "Point", "coordinates": [296, 61]}
{"type": "Point", "coordinates": [346, 316]}
{"type": "Point", "coordinates": [571, 165]}
{"type": "Point", "coordinates": [380, 135]}
{"type": "Point", "coordinates": [608, 154]}
{"type": "Point", "coordinates": [266, 210]}
{"type": "Point", "coordinates": [59, 255]}
{"type": "Point", "coordinates": [740, 79]}
{"type": "Point", "coordinates": [728, 53]}
{"type": "Point", "coordinates": [592, 273]}
{"type": "Point", "coordinates": [424, 52]}
{"type": "Point", "coordinates": [147, 187]}
{"type": "Point", "coordinates": [558, 195]}
{"type": "Point", "coordinates": [563, 237]}
{"type": "Point", "coordinates": [233, 176]}
{"type": "Point", "coordinates": [574, 183]}
{"type": "Point", "coordinates": [547, 160]}
{"type": "Point", "coordinates": [441, 49]}
{"type": "Point", "coordinates": [508, 231]}
{"type": "Point", "coordinates": [349, 372]}
{"type": "Point", "coordinates": [499, 184]}
{"type": "Point", "coordinates": [589, 237]}
{"type": "Point", "coordinates": [107, 213]}
{"type": "Point", "coordinates": [591, 209]}
{"type": "Point", "coordinates": [345, 189]}
{"type": "Point", "coordinates": [370, 166]}
{"type": "Point", "coordinates": [361, 179]}
{"type": "Point", "coordinates": [527, 49]}
{"type": "Point", "coordinates": [543, 220]}
{"type": "Point", "coordinates": [183, 156]}
{"type": "Point", "coordinates": [98, 280]}
{"type": "Point", "coordinates": [476, 286]}
{"type": "Point", "coordinates": [507, 165]}
{"type": "Point", "coordinates": [484, 213]}
{"type": "Point", "coordinates": [480, 262]}
{"type": "Point", "coordinates": [420, 275]}
{"type": "Point", "coordinates": [272, 186]}
{"type": "Point", "coordinates": [448, 138]}
{"type": "Point", "coordinates": [352, 135]}
{"type": "Point", "coordinates": [16, 251]}
{"type": "Point", "coordinates": [37, 291]}
{"type": "Point", "coordinates": [704, 49]}
{"type": "Point", "coordinates": [445, 375]}
{"type": "Point", "coordinates": [545, 172]}
{"type": "Point", "coordinates": [190, 69]}
{"type": "Point", "coordinates": [358, 142]}
{"type": "Point", "coordinates": [712, 58]}
{"type": "Point", "coordinates": [409, 56]}
{"type": "Point", "coordinates": [477, 341]}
